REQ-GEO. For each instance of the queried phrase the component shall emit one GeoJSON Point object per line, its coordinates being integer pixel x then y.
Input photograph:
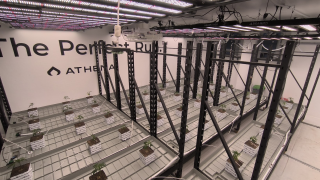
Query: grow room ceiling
{"type": "Point", "coordinates": [81, 15]}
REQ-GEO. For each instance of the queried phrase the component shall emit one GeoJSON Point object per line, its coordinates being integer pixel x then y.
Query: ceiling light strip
{"type": "Point", "coordinates": [78, 9]}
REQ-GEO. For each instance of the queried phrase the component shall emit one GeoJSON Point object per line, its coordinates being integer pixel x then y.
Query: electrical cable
{"type": "Point", "coordinates": [267, 6]}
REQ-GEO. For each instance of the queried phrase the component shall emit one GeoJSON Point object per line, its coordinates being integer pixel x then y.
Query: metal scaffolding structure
{"type": "Point", "coordinates": [275, 93]}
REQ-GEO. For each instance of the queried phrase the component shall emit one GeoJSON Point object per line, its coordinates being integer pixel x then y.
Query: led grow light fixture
{"type": "Point", "coordinates": [287, 28]}
{"type": "Point", "coordinates": [308, 27]}
{"type": "Point", "coordinates": [268, 28]}
{"type": "Point", "coordinates": [75, 9]}
{"type": "Point", "coordinates": [256, 29]}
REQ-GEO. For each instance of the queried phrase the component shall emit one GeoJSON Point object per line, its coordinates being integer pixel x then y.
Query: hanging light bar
{"type": "Point", "coordinates": [220, 29]}
{"type": "Point", "coordinates": [256, 29]}
{"type": "Point", "coordinates": [287, 28]}
{"type": "Point", "coordinates": [240, 29]}
{"type": "Point", "coordinates": [268, 28]}
{"type": "Point", "coordinates": [76, 9]}
{"type": "Point", "coordinates": [308, 27]}
{"type": "Point", "coordinates": [127, 3]}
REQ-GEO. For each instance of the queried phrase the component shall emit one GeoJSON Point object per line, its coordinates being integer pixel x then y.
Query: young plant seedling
{"type": "Point", "coordinates": [199, 96]}
{"type": "Point", "coordinates": [147, 144]}
{"type": "Point", "coordinates": [66, 108]}
{"type": "Point", "coordinates": [31, 106]}
{"type": "Point", "coordinates": [79, 117]}
{"type": "Point", "coordinates": [222, 106]}
{"type": "Point", "coordinates": [253, 139]}
{"type": "Point", "coordinates": [97, 167]}
{"type": "Point", "coordinates": [108, 113]}
{"type": "Point", "coordinates": [94, 101]}
{"type": "Point", "coordinates": [93, 136]}
{"type": "Point", "coordinates": [291, 100]}
{"type": "Point", "coordinates": [284, 103]}
{"type": "Point", "coordinates": [15, 162]}
{"type": "Point", "coordinates": [36, 132]}
{"type": "Point", "coordinates": [88, 93]}
{"type": "Point", "coordinates": [278, 111]}
{"type": "Point", "coordinates": [176, 93]}
{"type": "Point", "coordinates": [66, 98]}
{"type": "Point", "coordinates": [235, 155]}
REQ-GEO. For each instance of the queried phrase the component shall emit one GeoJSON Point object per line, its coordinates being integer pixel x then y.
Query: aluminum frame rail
{"type": "Point", "coordinates": [185, 107]}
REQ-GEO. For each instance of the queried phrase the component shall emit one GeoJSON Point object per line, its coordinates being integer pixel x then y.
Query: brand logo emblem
{"type": "Point", "coordinates": [53, 69]}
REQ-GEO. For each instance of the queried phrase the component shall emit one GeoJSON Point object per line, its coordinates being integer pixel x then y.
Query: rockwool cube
{"type": "Point", "coordinates": [33, 112]}
{"type": "Point", "coordinates": [90, 99]}
{"type": "Point", "coordinates": [177, 98]}
{"type": "Point", "coordinates": [109, 118]}
{"type": "Point", "coordinates": [229, 168]}
{"type": "Point", "coordinates": [124, 133]}
{"type": "Point", "coordinates": [95, 108]}
{"type": "Point", "coordinates": [23, 172]}
{"type": "Point", "coordinates": [221, 114]}
{"type": "Point", "coordinates": [250, 148]}
{"type": "Point", "coordinates": [34, 124]}
{"type": "Point", "coordinates": [37, 142]}
{"type": "Point", "coordinates": [146, 155]}
{"type": "Point", "coordinates": [234, 107]}
{"type": "Point", "coordinates": [80, 127]}
{"type": "Point", "coordinates": [197, 103]}
{"type": "Point", "coordinates": [94, 145]}
{"type": "Point", "coordinates": [70, 115]}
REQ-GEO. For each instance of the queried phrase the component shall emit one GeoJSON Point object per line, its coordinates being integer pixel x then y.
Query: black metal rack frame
{"type": "Point", "coordinates": [284, 68]}
{"type": "Point", "coordinates": [210, 62]}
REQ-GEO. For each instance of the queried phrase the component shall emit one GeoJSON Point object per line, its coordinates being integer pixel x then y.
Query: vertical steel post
{"type": "Point", "coordinates": [248, 82]}
{"type": "Point", "coordinates": [105, 66]}
{"type": "Point", "coordinates": [197, 70]}
{"type": "Point", "coordinates": [214, 49]}
{"type": "Point", "coordinates": [185, 106]}
{"type": "Point", "coordinates": [153, 90]}
{"type": "Point", "coordinates": [178, 68]}
{"type": "Point", "coordinates": [312, 91]}
{"type": "Point", "coordinates": [203, 108]}
{"type": "Point", "coordinates": [222, 55]}
{"type": "Point", "coordinates": [230, 65]}
{"type": "Point", "coordinates": [272, 83]}
{"type": "Point", "coordinates": [97, 64]}
{"type": "Point", "coordinates": [132, 86]}
{"type": "Point", "coordinates": [164, 66]}
{"type": "Point", "coordinates": [263, 81]}
{"type": "Point", "coordinates": [3, 116]}
{"type": "Point", "coordinates": [280, 84]}
{"type": "Point", "coordinates": [305, 87]}
{"type": "Point", "coordinates": [117, 81]}
{"type": "Point", "coordinates": [5, 100]}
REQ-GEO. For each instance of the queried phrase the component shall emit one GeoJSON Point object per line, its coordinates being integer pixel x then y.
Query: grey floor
{"type": "Point", "coordinates": [301, 161]}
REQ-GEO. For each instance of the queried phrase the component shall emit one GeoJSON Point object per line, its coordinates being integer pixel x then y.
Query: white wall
{"type": "Point", "coordinates": [26, 80]}
{"type": "Point", "coordinates": [299, 67]}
